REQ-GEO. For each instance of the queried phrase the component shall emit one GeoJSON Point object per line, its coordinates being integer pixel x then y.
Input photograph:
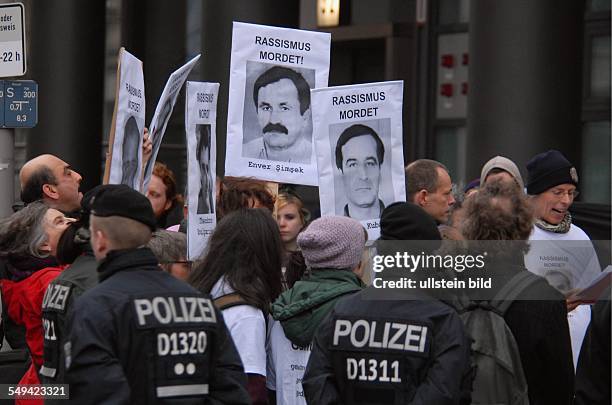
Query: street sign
{"type": "Point", "coordinates": [12, 40]}
{"type": "Point", "coordinates": [20, 101]}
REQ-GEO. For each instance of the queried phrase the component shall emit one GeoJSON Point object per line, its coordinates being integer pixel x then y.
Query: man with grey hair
{"type": "Point", "coordinates": [123, 333]}
{"type": "Point", "coordinates": [169, 248]}
{"type": "Point", "coordinates": [428, 185]}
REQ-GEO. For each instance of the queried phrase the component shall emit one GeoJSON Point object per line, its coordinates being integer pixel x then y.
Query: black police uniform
{"type": "Point", "coordinates": [59, 297]}
{"type": "Point", "coordinates": [143, 337]}
{"type": "Point", "coordinates": [388, 352]}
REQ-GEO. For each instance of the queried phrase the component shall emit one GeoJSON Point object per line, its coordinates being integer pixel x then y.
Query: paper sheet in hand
{"type": "Point", "coordinates": [200, 127]}
{"type": "Point", "coordinates": [163, 111]}
{"type": "Point", "coordinates": [126, 159]}
{"type": "Point", "coordinates": [358, 140]}
{"type": "Point", "coordinates": [269, 126]}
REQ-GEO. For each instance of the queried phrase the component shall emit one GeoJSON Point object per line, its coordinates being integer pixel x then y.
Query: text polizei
{"type": "Point", "coordinates": [173, 310]}
{"type": "Point", "coordinates": [56, 297]}
{"type": "Point", "coordinates": [369, 334]}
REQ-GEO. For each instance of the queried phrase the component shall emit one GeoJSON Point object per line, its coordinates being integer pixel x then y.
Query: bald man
{"type": "Point", "coordinates": [50, 179]}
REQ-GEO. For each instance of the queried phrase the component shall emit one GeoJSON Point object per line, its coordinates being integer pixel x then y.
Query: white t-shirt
{"type": "Point", "coordinates": [247, 326]}
{"type": "Point", "coordinates": [565, 260]}
{"type": "Point", "coordinates": [578, 320]}
{"type": "Point", "coordinates": [286, 367]}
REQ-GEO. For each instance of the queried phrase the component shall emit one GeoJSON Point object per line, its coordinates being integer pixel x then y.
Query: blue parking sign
{"type": "Point", "coordinates": [20, 100]}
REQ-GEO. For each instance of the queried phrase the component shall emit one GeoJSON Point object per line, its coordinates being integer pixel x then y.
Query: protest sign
{"type": "Point", "coordinates": [358, 140]}
{"type": "Point", "coordinates": [269, 126]}
{"type": "Point", "coordinates": [163, 111]}
{"type": "Point", "coordinates": [125, 166]}
{"type": "Point", "coordinates": [200, 128]}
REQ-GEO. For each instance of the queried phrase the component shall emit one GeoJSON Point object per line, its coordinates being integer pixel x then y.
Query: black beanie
{"type": "Point", "coordinates": [407, 221]}
{"type": "Point", "coordinates": [547, 170]}
{"type": "Point", "coordinates": [122, 201]}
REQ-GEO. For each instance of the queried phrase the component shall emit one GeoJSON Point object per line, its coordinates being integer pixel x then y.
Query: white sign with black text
{"type": "Point", "coordinates": [200, 127]}
{"type": "Point", "coordinates": [163, 111]}
{"type": "Point", "coordinates": [12, 40]}
{"type": "Point", "coordinates": [269, 126]}
{"type": "Point", "coordinates": [358, 139]}
{"type": "Point", "coordinates": [126, 161]}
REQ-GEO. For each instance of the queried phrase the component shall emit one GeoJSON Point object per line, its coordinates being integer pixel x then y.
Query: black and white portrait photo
{"type": "Point", "coordinates": [277, 122]}
{"type": "Point", "coordinates": [205, 196]}
{"type": "Point", "coordinates": [361, 168]}
{"type": "Point", "coordinates": [129, 154]}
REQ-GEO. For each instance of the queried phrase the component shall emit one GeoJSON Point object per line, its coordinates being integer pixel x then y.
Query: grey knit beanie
{"type": "Point", "coordinates": [332, 242]}
{"type": "Point", "coordinates": [503, 163]}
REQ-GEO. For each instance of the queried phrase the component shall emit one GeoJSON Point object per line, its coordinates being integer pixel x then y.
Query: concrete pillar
{"type": "Point", "coordinates": [525, 79]}
{"type": "Point", "coordinates": [66, 58]}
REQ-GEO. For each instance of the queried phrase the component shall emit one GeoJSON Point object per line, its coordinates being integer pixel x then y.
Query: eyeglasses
{"type": "Point", "coordinates": [188, 263]}
{"type": "Point", "coordinates": [560, 193]}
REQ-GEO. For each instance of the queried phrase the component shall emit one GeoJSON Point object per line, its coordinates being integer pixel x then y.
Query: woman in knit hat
{"type": "Point", "coordinates": [332, 247]}
{"type": "Point", "coordinates": [241, 269]}
{"type": "Point", "coordinates": [502, 168]}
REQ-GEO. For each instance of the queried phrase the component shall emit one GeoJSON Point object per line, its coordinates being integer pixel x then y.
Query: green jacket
{"type": "Point", "coordinates": [302, 308]}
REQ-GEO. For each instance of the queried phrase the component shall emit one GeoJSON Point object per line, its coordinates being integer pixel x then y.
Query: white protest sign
{"type": "Point", "coordinates": [269, 125]}
{"type": "Point", "coordinates": [163, 111]}
{"type": "Point", "coordinates": [200, 128]}
{"type": "Point", "coordinates": [126, 159]}
{"type": "Point", "coordinates": [358, 139]}
{"type": "Point", "coordinates": [12, 40]}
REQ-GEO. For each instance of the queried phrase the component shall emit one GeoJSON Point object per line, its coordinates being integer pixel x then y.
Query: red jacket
{"type": "Point", "coordinates": [23, 300]}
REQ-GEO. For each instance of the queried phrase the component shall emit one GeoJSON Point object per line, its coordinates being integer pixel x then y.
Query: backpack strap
{"type": "Point", "coordinates": [233, 300]}
{"type": "Point", "coordinates": [228, 301]}
{"type": "Point", "coordinates": [513, 288]}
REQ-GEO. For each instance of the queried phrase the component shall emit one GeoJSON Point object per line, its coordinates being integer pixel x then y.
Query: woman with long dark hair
{"type": "Point", "coordinates": [241, 269]}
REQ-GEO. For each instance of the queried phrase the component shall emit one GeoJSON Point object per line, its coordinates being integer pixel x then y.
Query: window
{"type": "Point", "coordinates": [595, 172]}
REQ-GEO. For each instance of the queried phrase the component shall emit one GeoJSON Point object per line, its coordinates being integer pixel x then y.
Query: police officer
{"type": "Point", "coordinates": [387, 351]}
{"type": "Point", "coordinates": [61, 293]}
{"type": "Point", "coordinates": [141, 336]}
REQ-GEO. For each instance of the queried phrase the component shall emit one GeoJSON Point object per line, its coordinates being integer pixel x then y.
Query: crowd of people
{"type": "Point", "coordinates": [99, 295]}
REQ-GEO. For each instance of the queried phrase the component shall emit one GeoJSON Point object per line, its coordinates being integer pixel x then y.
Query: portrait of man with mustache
{"type": "Point", "coordinates": [282, 101]}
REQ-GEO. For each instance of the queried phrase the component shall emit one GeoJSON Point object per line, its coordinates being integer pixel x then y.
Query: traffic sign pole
{"type": "Point", "coordinates": [7, 171]}
{"type": "Point", "coordinates": [19, 104]}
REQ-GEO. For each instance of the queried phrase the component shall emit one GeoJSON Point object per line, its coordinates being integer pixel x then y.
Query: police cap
{"type": "Point", "coordinates": [122, 201]}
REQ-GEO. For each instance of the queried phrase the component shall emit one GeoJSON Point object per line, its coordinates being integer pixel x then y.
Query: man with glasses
{"type": "Point", "coordinates": [560, 251]}
{"type": "Point", "coordinates": [170, 249]}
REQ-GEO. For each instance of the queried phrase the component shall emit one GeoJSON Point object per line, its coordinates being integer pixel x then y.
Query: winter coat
{"type": "Point", "coordinates": [302, 308]}
{"type": "Point", "coordinates": [143, 337]}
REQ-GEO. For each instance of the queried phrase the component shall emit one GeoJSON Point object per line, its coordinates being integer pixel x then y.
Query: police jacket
{"type": "Point", "coordinates": [143, 337]}
{"type": "Point", "coordinates": [59, 297]}
{"type": "Point", "coordinates": [391, 352]}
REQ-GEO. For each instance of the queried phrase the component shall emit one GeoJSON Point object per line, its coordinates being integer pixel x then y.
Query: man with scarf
{"type": "Point", "coordinates": [552, 182]}
{"type": "Point", "coordinates": [560, 251]}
